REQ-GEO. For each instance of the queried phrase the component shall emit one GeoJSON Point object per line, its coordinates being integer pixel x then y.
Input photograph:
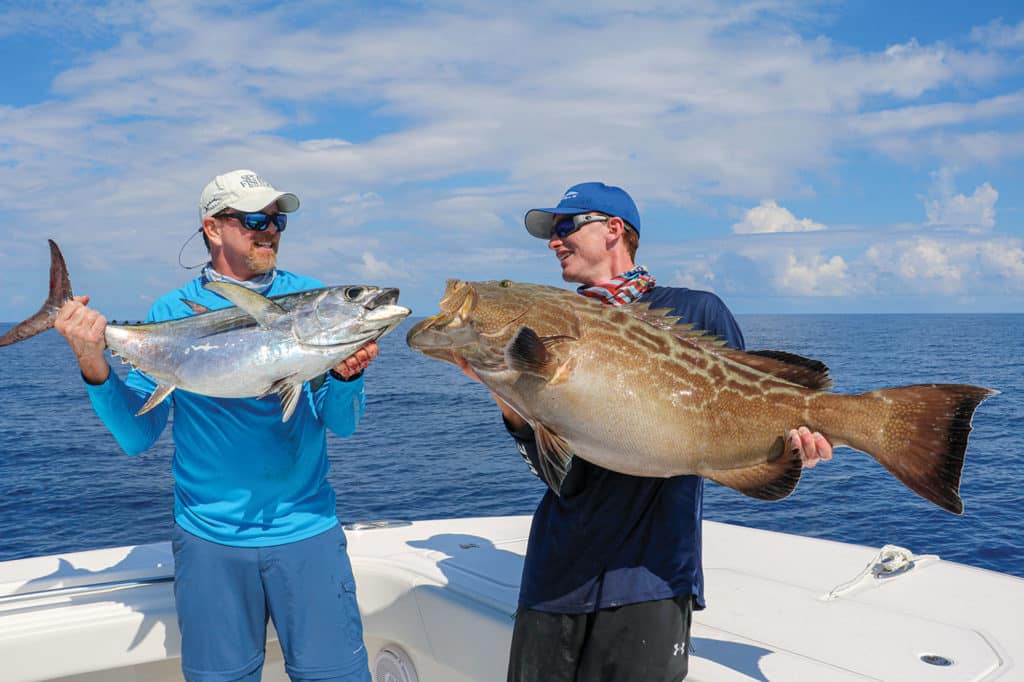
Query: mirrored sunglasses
{"type": "Point", "coordinates": [566, 225]}
{"type": "Point", "coordinates": [258, 222]}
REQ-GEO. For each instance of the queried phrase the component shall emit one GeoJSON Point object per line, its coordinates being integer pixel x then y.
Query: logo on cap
{"type": "Point", "coordinates": [253, 181]}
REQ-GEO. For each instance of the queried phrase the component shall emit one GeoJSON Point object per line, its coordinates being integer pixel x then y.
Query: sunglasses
{"type": "Point", "coordinates": [566, 225]}
{"type": "Point", "coordinates": [258, 222]}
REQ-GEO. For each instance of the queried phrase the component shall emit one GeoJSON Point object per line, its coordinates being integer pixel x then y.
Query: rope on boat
{"type": "Point", "coordinates": [890, 562]}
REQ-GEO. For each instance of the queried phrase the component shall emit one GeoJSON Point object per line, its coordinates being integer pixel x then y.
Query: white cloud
{"type": "Point", "coordinates": [770, 217]}
{"type": "Point", "coordinates": [923, 265]}
{"type": "Point", "coordinates": [915, 118]}
{"type": "Point", "coordinates": [1003, 261]}
{"type": "Point", "coordinates": [694, 275]}
{"type": "Point", "coordinates": [373, 269]}
{"type": "Point", "coordinates": [814, 276]}
{"type": "Point", "coordinates": [998, 35]}
{"type": "Point", "coordinates": [456, 118]}
{"type": "Point", "coordinates": [958, 210]}
{"type": "Point", "coordinates": [350, 210]}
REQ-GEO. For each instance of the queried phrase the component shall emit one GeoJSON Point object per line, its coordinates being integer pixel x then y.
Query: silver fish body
{"type": "Point", "coordinates": [257, 347]}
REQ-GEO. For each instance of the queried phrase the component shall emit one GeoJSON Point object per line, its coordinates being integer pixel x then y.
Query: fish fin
{"type": "Point", "coordinates": [662, 318]}
{"type": "Point", "coordinates": [259, 306]}
{"type": "Point", "coordinates": [60, 292]}
{"type": "Point", "coordinates": [555, 456]}
{"type": "Point", "coordinates": [924, 437]}
{"type": "Point", "coordinates": [532, 354]}
{"type": "Point", "coordinates": [665, 320]}
{"type": "Point", "coordinates": [770, 480]}
{"type": "Point", "coordinates": [156, 397]}
{"type": "Point", "coordinates": [789, 367]}
{"type": "Point", "coordinates": [290, 394]}
{"type": "Point", "coordinates": [196, 307]}
{"type": "Point", "coordinates": [657, 317]}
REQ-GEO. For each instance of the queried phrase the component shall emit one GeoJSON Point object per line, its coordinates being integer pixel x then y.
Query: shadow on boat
{"type": "Point", "coordinates": [488, 577]}
{"type": "Point", "coordinates": [743, 658]}
{"type": "Point", "coordinates": [140, 581]}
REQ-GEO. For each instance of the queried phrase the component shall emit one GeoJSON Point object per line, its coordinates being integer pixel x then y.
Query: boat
{"type": "Point", "coordinates": [438, 598]}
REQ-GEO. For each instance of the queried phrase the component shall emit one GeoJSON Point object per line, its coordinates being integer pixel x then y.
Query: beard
{"type": "Point", "coordinates": [261, 261]}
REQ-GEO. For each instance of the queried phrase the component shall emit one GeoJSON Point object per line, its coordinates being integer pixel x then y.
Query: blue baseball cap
{"type": "Point", "coordinates": [581, 198]}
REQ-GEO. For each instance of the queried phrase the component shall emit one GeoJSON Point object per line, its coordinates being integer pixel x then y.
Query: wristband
{"type": "Point", "coordinates": [351, 378]}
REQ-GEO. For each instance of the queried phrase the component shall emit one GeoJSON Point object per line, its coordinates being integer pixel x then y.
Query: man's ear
{"type": "Point", "coordinates": [615, 227]}
{"type": "Point", "coordinates": [212, 230]}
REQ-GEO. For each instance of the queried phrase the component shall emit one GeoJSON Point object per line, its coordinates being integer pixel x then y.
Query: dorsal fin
{"type": "Point", "coordinates": [657, 317]}
{"type": "Point", "coordinates": [661, 318]}
{"type": "Point", "coordinates": [786, 366]}
{"type": "Point", "coordinates": [789, 367]}
{"type": "Point", "coordinates": [262, 309]}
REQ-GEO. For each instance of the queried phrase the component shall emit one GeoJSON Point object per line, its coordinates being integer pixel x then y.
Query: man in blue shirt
{"type": "Point", "coordinates": [256, 533]}
{"type": "Point", "coordinates": [613, 563]}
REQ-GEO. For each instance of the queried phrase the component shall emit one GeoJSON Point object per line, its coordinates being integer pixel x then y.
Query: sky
{"type": "Point", "coordinates": [793, 157]}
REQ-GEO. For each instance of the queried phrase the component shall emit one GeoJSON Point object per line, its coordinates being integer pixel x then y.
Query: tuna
{"type": "Point", "coordinates": [255, 348]}
{"type": "Point", "coordinates": [630, 390]}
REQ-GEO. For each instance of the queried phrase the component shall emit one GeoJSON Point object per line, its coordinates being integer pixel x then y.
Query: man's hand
{"type": "Point", "coordinates": [358, 361]}
{"type": "Point", "coordinates": [811, 447]}
{"type": "Point", "coordinates": [84, 328]}
{"type": "Point", "coordinates": [510, 415]}
{"type": "Point", "coordinates": [463, 364]}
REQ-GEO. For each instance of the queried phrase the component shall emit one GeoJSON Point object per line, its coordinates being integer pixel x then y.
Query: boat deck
{"type": "Point", "coordinates": [439, 597]}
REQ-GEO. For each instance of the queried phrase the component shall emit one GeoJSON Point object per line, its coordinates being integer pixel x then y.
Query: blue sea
{"type": "Point", "coordinates": [431, 445]}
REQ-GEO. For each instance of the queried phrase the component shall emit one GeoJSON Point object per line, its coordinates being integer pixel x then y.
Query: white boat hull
{"type": "Point", "coordinates": [438, 598]}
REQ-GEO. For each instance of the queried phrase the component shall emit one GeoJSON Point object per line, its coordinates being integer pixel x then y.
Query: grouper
{"type": "Point", "coordinates": [629, 389]}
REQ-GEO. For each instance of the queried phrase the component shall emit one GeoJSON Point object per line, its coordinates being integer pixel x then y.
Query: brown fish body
{"type": "Point", "coordinates": [627, 389]}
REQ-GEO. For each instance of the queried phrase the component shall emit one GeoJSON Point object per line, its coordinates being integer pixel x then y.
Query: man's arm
{"type": "Point", "coordinates": [83, 328]}
{"type": "Point", "coordinates": [114, 402]}
{"type": "Point", "coordinates": [515, 422]}
{"type": "Point", "coordinates": [341, 400]}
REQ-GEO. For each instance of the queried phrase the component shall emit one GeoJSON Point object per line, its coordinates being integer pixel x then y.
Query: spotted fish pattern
{"type": "Point", "coordinates": [630, 389]}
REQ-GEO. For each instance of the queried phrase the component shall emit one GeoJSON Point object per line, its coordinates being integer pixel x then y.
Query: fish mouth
{"type": "Point", "coordinates": [383, 314]}
{"type": "Point", "coordinates": [430, 334]}
{"type": "Point", "coordinates": [386, 316]}
{"type": "Point", "coordinates": [449, 328]}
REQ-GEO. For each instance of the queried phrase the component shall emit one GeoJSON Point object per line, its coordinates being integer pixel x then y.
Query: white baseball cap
{"type": "Point", "coordinates": [245, 190]}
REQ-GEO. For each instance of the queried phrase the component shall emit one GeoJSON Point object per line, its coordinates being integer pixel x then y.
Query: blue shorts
{"type": "Point", "coordinates": [225, 595]}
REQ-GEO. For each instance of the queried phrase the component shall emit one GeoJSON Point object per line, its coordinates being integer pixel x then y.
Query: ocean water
{"type": "Point", "coordinates": [431, 445]}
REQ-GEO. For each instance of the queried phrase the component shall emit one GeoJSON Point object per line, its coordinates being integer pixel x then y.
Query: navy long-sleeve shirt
{"type": "Point", "coordinates": [611, 539]}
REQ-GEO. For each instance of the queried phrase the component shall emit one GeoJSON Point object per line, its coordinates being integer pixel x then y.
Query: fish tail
{"type": "Point", "coordinates": [919, 434]}
{"type": "Point", "coordinates": [60, 293]}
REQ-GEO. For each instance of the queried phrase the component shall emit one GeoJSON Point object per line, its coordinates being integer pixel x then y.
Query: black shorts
{"type": "Point", "coordinates": [645, 642]}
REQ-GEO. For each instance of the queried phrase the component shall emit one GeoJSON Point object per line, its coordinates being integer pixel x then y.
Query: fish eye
{"type": "Point", "coordinates": [504, 284]}
{"type": "Point", "coordinates": [353, 293]}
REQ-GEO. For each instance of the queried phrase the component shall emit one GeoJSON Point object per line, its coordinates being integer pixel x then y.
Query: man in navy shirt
{"type": "Point", "coordinates": [613, 565]}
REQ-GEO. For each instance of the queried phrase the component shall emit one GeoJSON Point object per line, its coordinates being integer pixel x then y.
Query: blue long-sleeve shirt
{"type": "Point", "coordinates": [242, 477]}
